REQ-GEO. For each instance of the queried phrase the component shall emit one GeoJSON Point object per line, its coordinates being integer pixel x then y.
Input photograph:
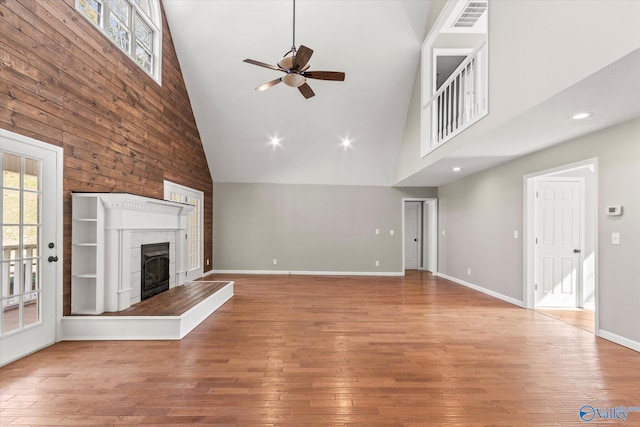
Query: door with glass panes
{"type": "Point", "coordinates": [30, 255]}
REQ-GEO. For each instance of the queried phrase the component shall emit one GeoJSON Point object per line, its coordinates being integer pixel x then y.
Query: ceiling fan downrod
{"type": "Point", "coordinates": [293, 46]}
{"type": "Point", "coordinates": [296, 68]}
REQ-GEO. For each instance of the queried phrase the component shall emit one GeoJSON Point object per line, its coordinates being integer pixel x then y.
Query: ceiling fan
{"type": "Point", "coordinates": [296, 68]}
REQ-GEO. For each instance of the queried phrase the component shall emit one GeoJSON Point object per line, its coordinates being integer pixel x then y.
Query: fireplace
{"type": "Point", "coordinates": [154, 269]}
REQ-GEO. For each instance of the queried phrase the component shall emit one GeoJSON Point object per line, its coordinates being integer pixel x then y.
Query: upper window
{"type": "Point", "coordinates": [133, 25]}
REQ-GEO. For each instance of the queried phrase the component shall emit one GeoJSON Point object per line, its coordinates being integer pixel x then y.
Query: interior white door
{"type": "Point", "coordinates": [29, 246]}
{"type": "Point", "coordinates": [558, 232]}
{"type": "Point", "coordinates": [412, 235]}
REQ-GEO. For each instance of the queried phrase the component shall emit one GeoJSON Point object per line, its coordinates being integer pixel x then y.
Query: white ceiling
{"type": "Point", "coordinates": [377, 44]}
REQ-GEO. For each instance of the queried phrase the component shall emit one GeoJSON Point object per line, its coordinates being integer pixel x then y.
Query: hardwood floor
{"type": "Point", "coordinates": [578, 317]}
{"type": "Point", "coordinates": [300, 350]}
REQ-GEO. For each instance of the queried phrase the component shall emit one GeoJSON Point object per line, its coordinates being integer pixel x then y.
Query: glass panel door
{"type": "Point", "coordinates": [21, 195]}
{"type": "Point", "coordinates": [30, 275]}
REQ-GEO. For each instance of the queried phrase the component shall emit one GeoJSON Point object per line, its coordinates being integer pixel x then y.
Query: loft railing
{"type": "Point", "coordinates": [459, 102]}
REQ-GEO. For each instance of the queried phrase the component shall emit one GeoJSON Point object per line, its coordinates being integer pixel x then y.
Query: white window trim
{"type": "Point", "coordinates": [172, 187]}
{"type": "Point", "coordinates": [156, 73]}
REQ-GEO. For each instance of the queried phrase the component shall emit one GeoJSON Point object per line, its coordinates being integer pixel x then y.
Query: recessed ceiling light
{"type": "Point", "coordinates": [457, 169]}
{"type": "Point", "coordinates": [275, 141]}
{"type": "Point", "coordinates": [346, 142]}
{"type": "Point", "coordinates": [581, 116]}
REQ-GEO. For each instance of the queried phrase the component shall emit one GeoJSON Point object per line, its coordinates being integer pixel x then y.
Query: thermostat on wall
{"type": "Point", "coordinates": [614, 210]}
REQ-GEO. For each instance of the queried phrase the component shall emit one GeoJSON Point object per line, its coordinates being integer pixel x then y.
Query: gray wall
{"type": "Point", "coordinates": [480, 213]}
{"type": "Point", "coordinates": [309, 227]}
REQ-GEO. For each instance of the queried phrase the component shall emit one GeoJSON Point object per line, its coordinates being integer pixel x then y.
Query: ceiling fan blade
{"type": "Point", "coordinates": [325, 75]}
{"type": "Point", "coordinates": [262, 64]}
{"type": "Point", "coordinates": [302, 57]}
{"type": "Point", "coordinates": [269, 84]}
{"type": "Point", "coordinates": [306, 91]}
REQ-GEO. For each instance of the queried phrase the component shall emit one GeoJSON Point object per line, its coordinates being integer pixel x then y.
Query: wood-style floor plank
{"type": "Point", "coordinates": [337, 351]}
{"type": "Point", "coordinates": [578, 317]}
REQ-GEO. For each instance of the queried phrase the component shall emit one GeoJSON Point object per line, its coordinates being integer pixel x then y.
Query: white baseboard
{"type": "Point", "coordinates": [312, 273]}
{"type": "Point", "coordinates": [489, 292]}
{"type": "Point", "coordinates": [625, 342]}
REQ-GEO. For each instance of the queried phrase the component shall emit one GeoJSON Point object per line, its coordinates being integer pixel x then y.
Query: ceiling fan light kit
{"type": "Point", "coordinates": [293, 80]}
{"type": "Point", "coordinates": [295, 68]}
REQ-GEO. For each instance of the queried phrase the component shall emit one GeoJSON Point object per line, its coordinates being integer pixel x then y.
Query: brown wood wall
{"type": "Point", "coordinates": [63, 82]}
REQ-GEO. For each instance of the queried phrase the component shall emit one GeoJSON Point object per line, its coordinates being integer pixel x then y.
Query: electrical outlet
{"type": "Point", "coordinates": [275, 261]}
{"type": "Point", "coordinates": [443, 233]}
{"type": "Point", "coordinates": [469, 271]}
{"type": "Point", "coordinates": [515, 234]}
{"type": "Point", "coordinates": [377, 263]}
{"type": "Point", "coordinates": [208, 261]}
{"type": "Point", "coordinates": [377, 231]}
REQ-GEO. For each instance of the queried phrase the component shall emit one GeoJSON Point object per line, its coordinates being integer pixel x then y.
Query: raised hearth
{"type": "Point", "coordinates": [167, 316]}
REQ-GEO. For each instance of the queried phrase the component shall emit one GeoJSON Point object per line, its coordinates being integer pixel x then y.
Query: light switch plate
{"type": "Point", "coordinates": [615, 238]}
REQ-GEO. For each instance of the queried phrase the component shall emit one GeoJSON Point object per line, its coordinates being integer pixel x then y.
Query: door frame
{"type": "Point", "coordinates": [429, 259]}
{"type": "Point", "coordinates": [420, 222]}
{"type": "Point", "coordinates": [529, 221]}
{"type": "Point", "coordinates": [58, 224]}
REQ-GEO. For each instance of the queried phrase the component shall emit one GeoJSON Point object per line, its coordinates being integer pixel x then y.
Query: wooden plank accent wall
{"type": "Point", "coordinates": [63, 82]}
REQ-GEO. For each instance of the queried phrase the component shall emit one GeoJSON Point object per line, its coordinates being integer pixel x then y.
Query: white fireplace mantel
{"type": "Point", "coordinates": [108, 230]}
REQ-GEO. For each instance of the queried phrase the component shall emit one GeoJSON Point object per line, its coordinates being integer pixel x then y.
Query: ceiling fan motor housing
{"type": "Point", "coordinates": [286, 63]}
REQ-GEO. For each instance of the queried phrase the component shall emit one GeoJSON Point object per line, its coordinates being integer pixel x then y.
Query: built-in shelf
{"type": "Point", "coordinates": [108, 230]}
{"type": "Point", "coordinates": [87, 279]}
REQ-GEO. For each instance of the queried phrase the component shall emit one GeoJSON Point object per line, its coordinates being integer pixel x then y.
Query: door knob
{"type": "Point", "coordinates": [576, 251]}
{"type": "Point", "coordinates": [415, 240]}
{"type": "Point", "coordinates": [52, 259]}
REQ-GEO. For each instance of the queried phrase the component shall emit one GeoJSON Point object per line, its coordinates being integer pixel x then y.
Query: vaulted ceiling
{"type": "Point", "coordinates": [376, 43]}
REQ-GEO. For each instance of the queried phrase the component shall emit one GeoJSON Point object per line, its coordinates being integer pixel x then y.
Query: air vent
{"type": "Point", "coordinates": [470, 15]}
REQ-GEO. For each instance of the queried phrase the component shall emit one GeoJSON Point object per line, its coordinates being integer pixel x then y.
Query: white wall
{"type": "Point", "coordinates": [319, 228]}
{"type": "Point", "coordinates": [480, 213]}
{"type": "Point", "coordinates": [536, 50]}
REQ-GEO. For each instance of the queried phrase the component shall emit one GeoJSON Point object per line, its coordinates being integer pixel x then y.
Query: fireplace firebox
{"type": "Point", "coordinates": [155, 269]}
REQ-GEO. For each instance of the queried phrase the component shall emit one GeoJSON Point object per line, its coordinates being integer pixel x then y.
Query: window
{"type": "Point", "coordinates": [133, 25]}
{"type": "Point", "coordinates": [195, 229]}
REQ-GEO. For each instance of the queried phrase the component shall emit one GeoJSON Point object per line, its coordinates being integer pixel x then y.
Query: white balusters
{"type": "Point", "coordinates": [459, 102]}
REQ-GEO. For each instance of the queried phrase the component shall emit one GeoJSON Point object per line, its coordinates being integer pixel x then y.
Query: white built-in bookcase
{"type": "Point", "coordinates": [87, 253]}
